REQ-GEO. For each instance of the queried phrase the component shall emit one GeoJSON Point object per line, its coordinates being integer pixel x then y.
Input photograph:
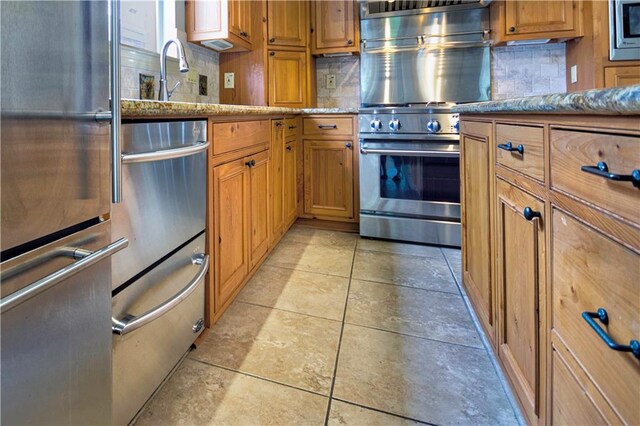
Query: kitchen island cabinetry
{"type": "Point", "coordinates": [566, 250]}
{"type": "Point", "coordinates": [518, 20]}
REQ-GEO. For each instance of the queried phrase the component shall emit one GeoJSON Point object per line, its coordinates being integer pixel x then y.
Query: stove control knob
{"type": "Point", "coordinates": [394, 125]}
{"type": "Point", "coordinates": [433, 126]}
{"type": "Point", "coordinates": [376, 125]}
{"type": "Point", "coordinates": [456, 127]}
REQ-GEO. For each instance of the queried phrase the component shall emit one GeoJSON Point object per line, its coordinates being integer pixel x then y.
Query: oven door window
{"type": "Point", "coordinates": [434, 179]}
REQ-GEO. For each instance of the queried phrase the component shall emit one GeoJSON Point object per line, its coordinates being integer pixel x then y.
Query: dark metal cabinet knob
{"type": "Point", "coordinates": [349, 42]}
{"type": "Point", "coordinates": [530, 214]}
{"type": "Point", "coordinates": [250, 163]}
{"type": "Point", "coordinates": [348, 145]}
{"type": "Point", "coordinates": [288, 147]}
{"type": "Point", "coordinates": [244, 33]}
{"type": "Point", "coordinates": [272, 53]}
{"type": "Point", "coordinates": [272, 40]}
{"type": "Point", "coordinates": [512, 29]}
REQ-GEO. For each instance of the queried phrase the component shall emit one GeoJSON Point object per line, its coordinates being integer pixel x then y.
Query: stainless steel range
{"type": "Point", "coordinates": [417, 60]}
{"type": "Point", "coordinates": [409, 174]}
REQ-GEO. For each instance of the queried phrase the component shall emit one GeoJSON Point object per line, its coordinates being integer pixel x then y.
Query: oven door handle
{"type": "Point", "coordinates": [129, 323]}
{"type": "Point", "coordinates": [164, 154]}
{"type": "Point", "coordinates": [426, 153]}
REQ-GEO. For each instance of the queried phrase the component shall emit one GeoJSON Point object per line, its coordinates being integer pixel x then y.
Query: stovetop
{"type": "Point", "coordinates": [425, 119]}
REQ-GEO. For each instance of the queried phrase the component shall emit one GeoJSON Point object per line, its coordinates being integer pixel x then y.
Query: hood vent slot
{"type": "Point", "coordinates": [401, 7]}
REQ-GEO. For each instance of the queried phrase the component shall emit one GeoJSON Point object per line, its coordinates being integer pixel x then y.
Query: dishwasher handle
{"type": "Point", "coordinates": [129, 323]}
{"type": "Point", "coordinates": [165, 154]}
{"type": "Point", "coordinates": [87, 260]}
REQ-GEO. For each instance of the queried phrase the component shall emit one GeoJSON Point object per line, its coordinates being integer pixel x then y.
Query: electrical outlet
{"type": "Point", "coordinates": [229, 80]}
{"type": "Point", "coordinates": [574, 74]}
{"type": "Point", "coordinates": [331, 81]}
{"type": "Point", "coordinates": [192, 76]}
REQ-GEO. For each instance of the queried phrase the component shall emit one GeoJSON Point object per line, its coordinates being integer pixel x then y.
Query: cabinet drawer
{"type": "Point", "coordinates": [571, 404]}
{"type": "Point", "coordinates": [290, 127]}
{"type": "Point", "coordinates": [233, 136]}
{"type": "Point", "coordinates": [590, 271]}
{"type": "Point", "coordinates": [526, 144]}
{"type": "Point", "coordinates": [330, 126]}
{"type": "Point", "coordinates": [570, 150]}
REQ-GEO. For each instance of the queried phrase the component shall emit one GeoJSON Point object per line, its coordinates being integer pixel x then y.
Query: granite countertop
{"type": "Point", "coordinates": [618, 101]}
{"type": "Point", "coordinates": [140, 108]}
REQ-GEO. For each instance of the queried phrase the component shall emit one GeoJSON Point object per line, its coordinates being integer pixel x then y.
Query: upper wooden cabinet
{"type": "Point", "coordinates": [513, 20]}
{"type": "Point", "coordinates": [288, 79]}
{"type": "Point", "coordinates": [209, 21]}
{"type": "Point", "coordinates": [287, 23]}
{"type": "Point", "coordinates": [334, 27]}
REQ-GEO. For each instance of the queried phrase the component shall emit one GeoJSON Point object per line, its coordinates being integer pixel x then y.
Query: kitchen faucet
{"type": "Point", "coordinates": [164, 93]}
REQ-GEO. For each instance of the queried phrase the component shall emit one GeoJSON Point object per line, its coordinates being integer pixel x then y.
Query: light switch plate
{"type": "Point", "coordinates": [192, 76]}
{"type": "Point", "coordinates": [574, 74]}
{"type": "Point", "coordinates": [229, 80]}
{"type": "Point", "coordinates": [331, 81]}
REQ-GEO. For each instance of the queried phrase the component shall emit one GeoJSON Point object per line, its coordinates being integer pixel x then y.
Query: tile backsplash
{"type": "Point", "coordinates": [201, 60]}
{"type": "Point", "coordinates": [518, 71]}
{"type": "Point", "coordinates": [347, 91]}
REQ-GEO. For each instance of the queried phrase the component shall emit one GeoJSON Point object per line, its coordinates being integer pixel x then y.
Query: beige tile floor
{"type": "Point", "coordinates": [338, 330]}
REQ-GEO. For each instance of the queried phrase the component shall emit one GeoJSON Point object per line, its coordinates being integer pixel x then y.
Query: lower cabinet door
{"type": "Point", "coordinates": [290, 182]}
{"type": "Point", "coordinates": [259, 206]}
{"type": "Point", "coordinates": [230, 192]}
{"type": "Point", "coordinates": [276, 190]}
{"type": "Point", "coordinates": [520, 272]}
{"type": "Point", "coordinates": [328, 178]}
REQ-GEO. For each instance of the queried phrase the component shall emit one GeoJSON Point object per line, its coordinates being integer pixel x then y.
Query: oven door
{"type": "Point", "coordinates": [410, 178]}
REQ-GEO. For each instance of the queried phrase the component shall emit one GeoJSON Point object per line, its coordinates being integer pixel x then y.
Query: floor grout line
{"type": "Point", "coordinates": [344, 315]}
{"type": "Point", "coordinates": [480, 348]}
{"type": "Point", "coordinates": [286, 310]}
{"type": "Point", "coordinates": [457, 293]}
{"type": "Point", "coordinates": [385, 412]}
{"type": "Point", "coordinates": [305, 270]}
{"type": "Point", "coordinates": [255, 376]}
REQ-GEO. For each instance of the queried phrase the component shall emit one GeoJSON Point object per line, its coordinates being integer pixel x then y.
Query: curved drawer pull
{"type": "Point", "coordinates": [601, 314]}
{"type": "Point", "coordinates": [130, 323]}
{"type": "Point", "coordinates": [87, 259]}
{"type": "Point", "coordinates": [509, 147]}
{"type": "Point", "coordinates": [165, 154]}
{"type": "Point", "coordinates": [601, 169]}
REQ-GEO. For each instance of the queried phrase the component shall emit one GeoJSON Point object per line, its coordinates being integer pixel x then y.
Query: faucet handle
{"type": "Point", "coordinates": [170, 92]}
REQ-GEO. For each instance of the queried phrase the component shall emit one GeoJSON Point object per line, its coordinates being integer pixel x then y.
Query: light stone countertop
{"type": "Point", "coordinates": [618, 101]}
{"type": "Point", "coordinates": [148, 108]}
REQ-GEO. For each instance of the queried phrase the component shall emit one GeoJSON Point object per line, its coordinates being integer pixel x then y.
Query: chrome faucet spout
{"type": "Point", "coordinates": [164, 93]}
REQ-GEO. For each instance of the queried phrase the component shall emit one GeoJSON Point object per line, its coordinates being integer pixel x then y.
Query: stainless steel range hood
{"type": "Point", "coordinates": [370, 9]}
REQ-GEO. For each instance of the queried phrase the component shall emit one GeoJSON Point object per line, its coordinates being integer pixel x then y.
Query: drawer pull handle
{"type": "Point", "coordinates": [288, 147]}
{"type": "Point", "coordinates": [601, 314]}
{"type": "Point", "coordinates": [293, 127]}
{"type": "Point", "coordinates": [250, 163]}
{"type": "Point", "coordinates": [531, 214]}
{"type": "Point", "coordinates": [509, 147]}
{"type": "Point", "coordinates": [327, 126]}
{"type": "Point", "coordinates": [601, 169]}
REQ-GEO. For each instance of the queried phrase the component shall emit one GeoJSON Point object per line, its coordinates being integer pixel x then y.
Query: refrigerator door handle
{"type": "Point", "coordinates": [87, 260]}
{"type": "Point", "coordinates": [116, 117]}
{"type": "Point", "coordinates": [129, 323]}
{"type": "Point", "coordinates": [164, 154]}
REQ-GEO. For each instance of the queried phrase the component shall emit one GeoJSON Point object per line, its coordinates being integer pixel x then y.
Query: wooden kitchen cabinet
{"type": "Point", "coordinates": [335, 27]}
{"type": "Point", "coordinates": [258, 207]}
{"type": "Point", "coordinates": [277, 179]}
{"type": "Point", "coordinates": [290, 186]}
{"type": "Point", "coordinates": [476, 144]}
{"type": "Point", "coordinates": [230, 237]}
{"type": "Point", "coordinates": [520, 283]}
{"type": "Point", "coordinates": [554, 270]}
{"type": "Point", "coordinates": [328, 178]}
{"type": "Point", "coordinates": [516, 20]}
{"type": "Point", "coordinates": [621, 76]}
{"type": "Point", "coordinates": [227, 20]}
{"type": "Point", "coordinates": [287, 23]}
{"type": "Point", "coordinates": [288, 79]}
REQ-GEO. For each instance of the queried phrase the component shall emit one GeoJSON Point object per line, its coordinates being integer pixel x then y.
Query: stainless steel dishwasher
{"type": "Point", "coordinates": [158, 286]}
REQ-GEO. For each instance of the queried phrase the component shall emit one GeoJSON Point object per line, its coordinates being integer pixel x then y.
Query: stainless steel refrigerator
{"type": "Point", "coordinates": [55, 272]}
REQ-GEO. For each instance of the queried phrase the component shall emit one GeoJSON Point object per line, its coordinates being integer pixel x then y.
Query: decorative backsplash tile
{"type": "Point", "coordinates": [147, 86]}
{"type": "Point", "coordinates": [347, 91]}
{"type": "Point", "coordinates": [518, 71]}
{"type": "Point", "coordinates": [203, 61]}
